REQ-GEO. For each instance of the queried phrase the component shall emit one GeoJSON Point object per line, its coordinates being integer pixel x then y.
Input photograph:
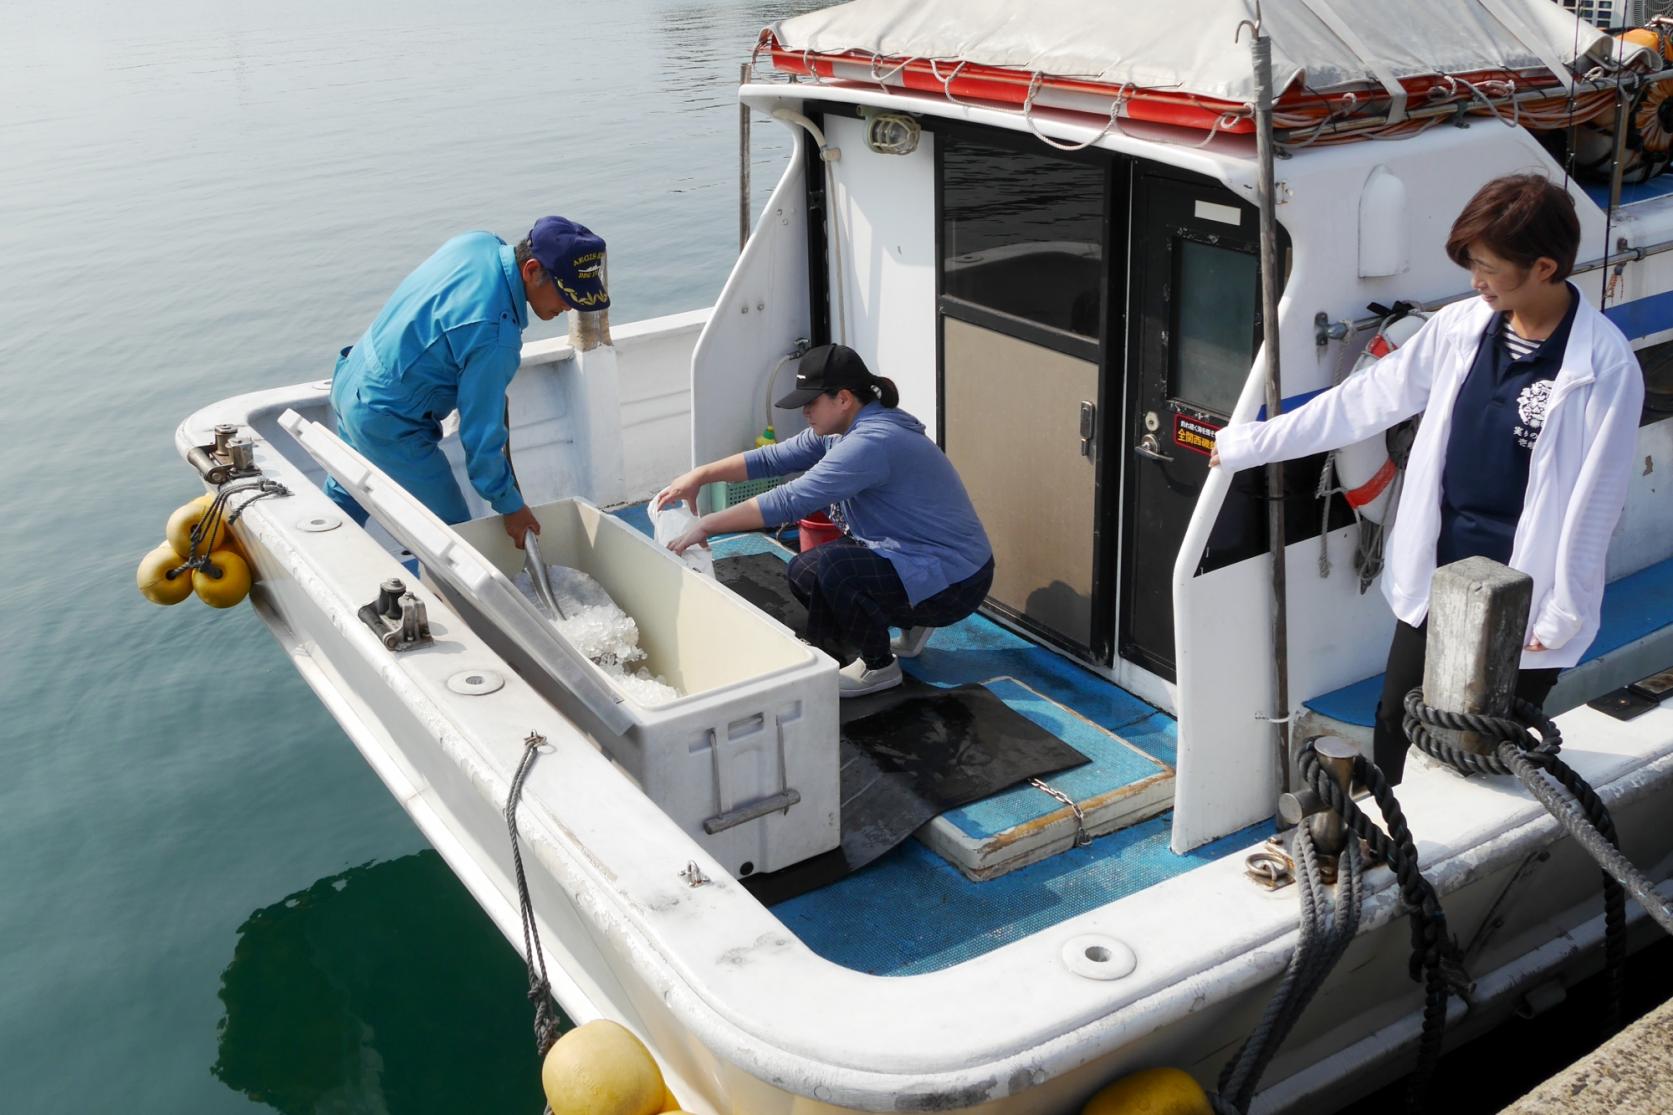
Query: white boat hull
{"type": "Point", "coordinates": [746, 1018]}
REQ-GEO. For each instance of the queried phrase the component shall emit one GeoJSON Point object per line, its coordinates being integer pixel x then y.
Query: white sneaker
{"type": "Point", "coordinates": [856, 679]}
{"type": "Point", "coordinates": [910, 642]}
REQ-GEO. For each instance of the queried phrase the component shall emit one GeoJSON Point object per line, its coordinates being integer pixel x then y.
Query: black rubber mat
{"type": "Point", "coordinates": [909, 754]}
{"type": "Point", "coordinates": [760, 579]}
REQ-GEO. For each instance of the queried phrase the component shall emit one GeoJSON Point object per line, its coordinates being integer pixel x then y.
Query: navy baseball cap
{"type": "Point", "coordinates": [574, 257]}
{"type": "Point", "coordinates": [828, 368]}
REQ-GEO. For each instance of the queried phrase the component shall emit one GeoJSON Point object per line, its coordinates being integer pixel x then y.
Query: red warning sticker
{"type": "Point", "coordinates": [1195, 435]}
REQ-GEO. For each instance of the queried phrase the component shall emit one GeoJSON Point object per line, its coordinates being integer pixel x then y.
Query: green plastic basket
{"type": "Point", "coordinates": [723, 494]}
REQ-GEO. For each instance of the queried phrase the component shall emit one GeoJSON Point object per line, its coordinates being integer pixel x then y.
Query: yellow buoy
{"type": "Point", "coordinates": [153, 577]}
{"type": "Point", "coordinates": [185, 517]}
{"type": "Point", "coordinates": [1151, 1092]}
{"type": "Point", "coordinates": [224, 581]}
{"type": "Point", "coordinates": [602, 1069]}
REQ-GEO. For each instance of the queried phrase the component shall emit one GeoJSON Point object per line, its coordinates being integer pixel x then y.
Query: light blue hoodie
{"type": "Point", "coordinates": [895, 489]}
{"type": "Point", "coordinates": [450, 336]}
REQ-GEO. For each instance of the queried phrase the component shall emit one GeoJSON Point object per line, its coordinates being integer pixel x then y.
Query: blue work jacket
{"type": "Point", "coordinates": [451, 336]}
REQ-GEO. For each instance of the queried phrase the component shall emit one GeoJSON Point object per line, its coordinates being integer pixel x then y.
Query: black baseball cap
{"type": "Point", "coordinates": [824, 369]}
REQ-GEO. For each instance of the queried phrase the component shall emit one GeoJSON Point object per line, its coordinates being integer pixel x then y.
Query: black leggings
{"type": "Point", "coordinates": [853, 594]}
{"type": "Point", "coordinates": [1405, 673]}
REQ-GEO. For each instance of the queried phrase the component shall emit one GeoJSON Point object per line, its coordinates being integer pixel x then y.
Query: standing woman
{"type": "Point", "coordinates": [915, 555]}
{"type": "Point", "coordinates": [1531, 401]}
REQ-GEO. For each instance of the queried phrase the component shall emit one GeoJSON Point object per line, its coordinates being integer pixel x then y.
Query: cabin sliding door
{"type": "Point", "coordinates": [1018, 457]}
{"type": "Point", "coordinates": [1196, 283]}
{"type": "Point", "coordinates": [1023, 304]}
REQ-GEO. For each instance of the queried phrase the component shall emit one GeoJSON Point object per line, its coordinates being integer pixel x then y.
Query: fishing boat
{"type": "Point", "coordinates": [1047, 229]}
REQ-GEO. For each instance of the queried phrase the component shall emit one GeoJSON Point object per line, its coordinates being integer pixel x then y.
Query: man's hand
{"type": "Point", "coordinates": [1213, 458]}
{"type": "Point", "coordinates": [519, 523]}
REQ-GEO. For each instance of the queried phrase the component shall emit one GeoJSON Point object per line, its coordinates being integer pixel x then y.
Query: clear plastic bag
{"type": "Point", "coordinates": [673, 520]}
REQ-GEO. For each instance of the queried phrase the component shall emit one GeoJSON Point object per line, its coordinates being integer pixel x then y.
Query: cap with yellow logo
{"type": "Point", "coordinates": [574, 257]}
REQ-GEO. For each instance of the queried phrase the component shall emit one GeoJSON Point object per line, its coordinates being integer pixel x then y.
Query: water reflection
{"type": "Point", "coordinates": [381, 989]}
{"type": "Point", "coordinates": [709, 42]}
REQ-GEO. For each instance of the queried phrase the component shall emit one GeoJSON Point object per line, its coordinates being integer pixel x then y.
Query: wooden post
{"type": "Point", "coordinates": [590, 329]}
{"type": "Point", "coordinates": [1478, 616]}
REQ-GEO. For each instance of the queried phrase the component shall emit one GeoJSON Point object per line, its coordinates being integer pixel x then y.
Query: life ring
{"type": "Point", "coordinates": [1365, 470]}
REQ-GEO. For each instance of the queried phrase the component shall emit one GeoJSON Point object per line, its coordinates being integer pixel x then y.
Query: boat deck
{"type": "Point", "coordinates": [912, 911]}
{"type": "Point", "coordinates": [1634, 608]}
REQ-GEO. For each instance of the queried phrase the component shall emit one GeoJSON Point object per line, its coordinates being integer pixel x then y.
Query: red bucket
{"type": "Point", "coordinates": [817, 529]}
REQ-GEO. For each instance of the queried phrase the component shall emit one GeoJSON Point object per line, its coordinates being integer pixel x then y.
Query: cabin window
{"type": "Point", "coordinates": [1214, 322]}
{"type": "Point", "coordinates": [1023, 234]}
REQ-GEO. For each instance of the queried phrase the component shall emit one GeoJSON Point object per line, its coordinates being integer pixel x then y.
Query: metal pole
{"type": "Point", "coordinates": [743, 161]}
{"type": "Point", "coordinates": [1623, 111]}
{"type": "Point", "coordinates": [1330, 831]}
{"type": "Point", "coordinates": [1266, 197]}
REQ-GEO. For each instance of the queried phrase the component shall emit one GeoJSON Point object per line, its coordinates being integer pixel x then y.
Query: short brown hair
{"type": "Point", "coordinates": [1522, 217]}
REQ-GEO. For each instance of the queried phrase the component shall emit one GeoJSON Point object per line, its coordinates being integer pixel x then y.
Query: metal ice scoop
{"type": "Point", "coordinates": [536, 567]}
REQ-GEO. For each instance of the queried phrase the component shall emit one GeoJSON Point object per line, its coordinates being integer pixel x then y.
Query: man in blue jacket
{"type": "Point", "coordinates": [451, 336]}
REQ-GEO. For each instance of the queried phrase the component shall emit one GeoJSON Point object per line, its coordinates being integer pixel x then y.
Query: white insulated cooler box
{"type": "Point", "coordinates": [745, 761]}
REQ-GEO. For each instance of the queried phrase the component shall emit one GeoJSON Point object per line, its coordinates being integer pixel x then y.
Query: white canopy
{"type": "Point", "coordinates": [1191, 45]}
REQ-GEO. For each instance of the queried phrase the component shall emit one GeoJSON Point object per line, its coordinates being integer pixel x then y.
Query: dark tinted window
{"type": "Point", "coordinates": [1214, 324]}
{"type": "Point", "coordinates": [1023, 234]}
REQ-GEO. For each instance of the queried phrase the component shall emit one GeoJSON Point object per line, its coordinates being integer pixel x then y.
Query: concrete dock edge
{"type": "Point", "coordinates": [1630, 1074]}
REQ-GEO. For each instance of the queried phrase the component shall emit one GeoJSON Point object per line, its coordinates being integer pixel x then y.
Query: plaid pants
{"type": "Point", "coordinates": [853, 595]}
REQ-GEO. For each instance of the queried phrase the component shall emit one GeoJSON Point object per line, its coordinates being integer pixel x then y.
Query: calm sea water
{"type": "Point", "coordinates": [207, 901]}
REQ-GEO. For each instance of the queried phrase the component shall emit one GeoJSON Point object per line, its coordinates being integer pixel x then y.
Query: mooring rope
{"type": "Point", "coordinates": [1527, 743]}
{"type": "Point", "coordinates": [546, 1023]}
{"type": "Point", "coordinates": [1436, 959]}
{"type": "Point", "coordinates": [1319, 946]}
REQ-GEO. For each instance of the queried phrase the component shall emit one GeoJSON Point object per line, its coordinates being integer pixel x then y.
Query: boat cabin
{"type": "Point", "coordinates": [1063, 277]}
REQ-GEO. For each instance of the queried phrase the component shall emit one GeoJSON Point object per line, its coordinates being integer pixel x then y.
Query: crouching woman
{"type": "Point", "coordinates": [913, 555]}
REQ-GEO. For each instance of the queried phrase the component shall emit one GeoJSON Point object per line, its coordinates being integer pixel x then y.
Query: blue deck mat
{"type": "Point", "coordinates": [1659, 186]}
{"type": "Point", "coordinates": [1633, 607]}
{"type": "Point", "coordinates": [1114, 764]}
{"type": "Point", "coordinates": [913, 912]}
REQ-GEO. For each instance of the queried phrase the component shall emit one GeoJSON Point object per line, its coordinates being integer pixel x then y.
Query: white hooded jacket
{"type": "Point", "coordinates": [1577, 475]}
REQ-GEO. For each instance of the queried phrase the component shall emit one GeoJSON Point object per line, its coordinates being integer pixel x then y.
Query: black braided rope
{"type": "Point", "coordinates": [534, 959]}
{"type": "Point", "coordinates": [1238, 1079]}
{"type": "Point", "coordinates": [1436, 959]}
{"type": "Point", "coordinates": [1597, 817]}
{"type": "Point", "coordinates": [1528, 743]}
{"type": "Point", "coordinates": [1519, 728]}
{"type": "Point", "coordinates": [1320, 945]}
